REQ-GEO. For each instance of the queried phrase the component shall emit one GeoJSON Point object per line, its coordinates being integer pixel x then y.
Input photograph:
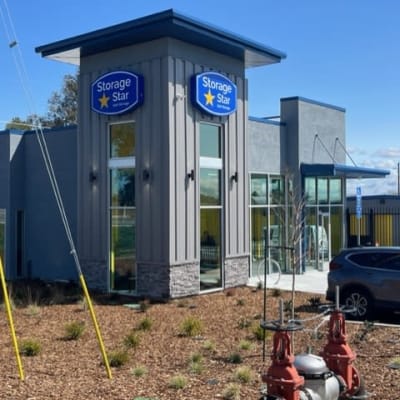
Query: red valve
{"type": "Point", "coordinates": [339, 356]}
{"type": "Point", "coordinates": [282, 378]}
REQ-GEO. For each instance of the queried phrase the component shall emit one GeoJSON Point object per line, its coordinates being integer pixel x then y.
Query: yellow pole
{"type": "Point", "coordinates": [96, 326]}
{"type": "Point", "coordinates": [10, 321]}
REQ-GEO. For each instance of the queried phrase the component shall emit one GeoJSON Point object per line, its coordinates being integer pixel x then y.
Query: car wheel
{"type": "Point", "coordinates": [360, 301]}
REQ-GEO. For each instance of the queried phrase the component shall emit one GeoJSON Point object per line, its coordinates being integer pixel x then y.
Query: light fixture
{"type": "Point", "coordinates": [92, 176]}
{"type": "Point", "coordinates": [190, 175]}
{"type": "Point", "coordinates": [146, 175]}
{"type": "Point", "coordinates": [234, 177]}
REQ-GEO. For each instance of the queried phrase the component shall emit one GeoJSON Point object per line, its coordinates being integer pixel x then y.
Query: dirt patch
{"type": "Point", "coordinates": [73, 369]}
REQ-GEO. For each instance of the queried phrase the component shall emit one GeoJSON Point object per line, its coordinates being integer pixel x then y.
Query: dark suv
{"type": "Point", "coordinates": [368, 278]}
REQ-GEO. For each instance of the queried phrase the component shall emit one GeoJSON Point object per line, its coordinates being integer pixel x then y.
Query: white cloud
{"type": "Point", "coordinates": [391, 152]}
{"type": "Point", "coordinates": [383, 159]}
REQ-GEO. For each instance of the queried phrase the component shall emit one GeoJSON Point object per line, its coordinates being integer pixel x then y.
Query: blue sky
{"type": "Point", "coordinates": [341, 52]}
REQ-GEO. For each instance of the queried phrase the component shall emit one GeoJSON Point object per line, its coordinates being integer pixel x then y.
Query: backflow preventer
{"type": "Point", "coordinates": [330, 375]}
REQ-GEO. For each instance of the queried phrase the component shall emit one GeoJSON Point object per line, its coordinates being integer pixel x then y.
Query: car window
{"type": "Point", "coordinates": [386, 260]}
{"type": "Point", "coordinates": [367, 259]}
{"type": "Point", "coordinates": [392, 261]}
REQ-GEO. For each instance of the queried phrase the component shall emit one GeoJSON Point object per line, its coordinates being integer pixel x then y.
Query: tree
{"type": "Point", "coordinates": [62, 108]}
{"type": "Point", "coordinates": [29, 123]}
{"type": "Point", "coordinates": [63, 105]}
{"type": "Point", "coordinates": [18, 123]}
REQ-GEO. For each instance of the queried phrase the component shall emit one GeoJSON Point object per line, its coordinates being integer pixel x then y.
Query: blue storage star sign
{"type": "Point", "coordinates": [117, 92]}
{"type": "Point", "coordinates": [214, 93]}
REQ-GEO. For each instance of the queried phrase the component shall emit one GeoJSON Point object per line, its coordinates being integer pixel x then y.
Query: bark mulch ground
{"type": "Point", "coordinates": [222, 355]}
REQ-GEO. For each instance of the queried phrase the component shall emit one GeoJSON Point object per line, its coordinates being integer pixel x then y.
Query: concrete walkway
{"type": "Point", "coordinates": [312, 281]}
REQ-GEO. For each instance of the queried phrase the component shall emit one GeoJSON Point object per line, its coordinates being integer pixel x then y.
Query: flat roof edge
{"type": "Point", "coordinates": [315, 102]}
{"type": "Point", "coordinates": [266, 121]}
{"type": "Point", "coordinates": [176, 22]}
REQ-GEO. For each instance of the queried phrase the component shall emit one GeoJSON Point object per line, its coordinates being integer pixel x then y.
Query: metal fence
{"type": "Point", "coordinates": [377, 227]}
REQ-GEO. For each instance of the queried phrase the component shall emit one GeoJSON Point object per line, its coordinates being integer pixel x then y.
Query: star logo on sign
{"type": "Point", "coordinates": [104, 101]}
{"type": "Point", "coordinates": [209, 98]}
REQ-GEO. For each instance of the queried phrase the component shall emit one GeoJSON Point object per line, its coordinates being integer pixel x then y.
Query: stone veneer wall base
{"type": "Point", "coordinates": [236, 271]}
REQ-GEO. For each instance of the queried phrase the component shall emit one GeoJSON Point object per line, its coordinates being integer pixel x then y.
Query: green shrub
{"type": "Point", "coordinates": [139, 371]}
{"type": "Point", "coordinates": [208, 345]}
{"type": "Point", "coordinates": [231, 392]}
{"type": "Point", "coordinates": [190, 326]}
{"type": "Point", "coordinates": [29, 348]}
{"type": "Point", "coordinates": [245, 345]}
{"type": "Point", "coordinates": [74, 330]}
{"type": "Point", "coordinates": [196, 363]}
{"type": "Point", "coordinates": [235, 358]}
{"type": "Point", "coordinates": [394, 363]}
{"type": "Point", "coordinates": [32, 310]}
{"type": "Point", "coordinates": [145, 324]}
{"type": "Point", "coordinates": [132, 340]}
{"type": "Point", "coordinates": [196, 357]}
{"type": "Point", "coordinates": [117, 358]}
{"type": "Point", "coordinates": [196, 367]}
{"type": "Point", "coordinates": [177, 382]}
{"type": "Point", "coordinates": [258, 332]}
{"type": "Point", "coordinates": [243, 374]}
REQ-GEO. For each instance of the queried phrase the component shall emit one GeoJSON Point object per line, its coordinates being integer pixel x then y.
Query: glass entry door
{"type": "Point", "coordinates": [122, 207]}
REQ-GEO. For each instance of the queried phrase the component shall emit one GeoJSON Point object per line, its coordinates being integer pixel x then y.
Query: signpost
{"type": "Point", "coordinates": [358, 213]}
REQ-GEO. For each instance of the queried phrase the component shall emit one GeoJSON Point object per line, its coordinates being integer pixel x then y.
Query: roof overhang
{"type": "Point", "coordinates": [168, 23]}
{"type": "Point", "coordinates": [342, 170]}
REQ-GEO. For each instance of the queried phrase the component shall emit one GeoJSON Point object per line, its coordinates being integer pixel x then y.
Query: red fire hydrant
{"type": "Point", "coordinates": [339, 356]}
{"type": "Point", "coordinates": [282, 378]}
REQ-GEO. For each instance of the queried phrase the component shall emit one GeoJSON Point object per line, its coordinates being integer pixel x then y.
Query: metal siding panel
{"type": "Point", "coordinates": [236, 199]}
{"type": "Point", "coordinates": [165, 172]}
{"type": "Point", "coordinates": [145, 127]}
{"type": "Point", "coordinates": [84, 229]}
{"type": "Point", "coordinates": [191, 164]}
{"type": "Point", "coordinates": [152, 213]}
{"type": "Point", "coordinates": [230, 198]}
{"type": "Point", "coordinates": [170, 133]}
{"type": "Point", "coordinates": [179, 182]}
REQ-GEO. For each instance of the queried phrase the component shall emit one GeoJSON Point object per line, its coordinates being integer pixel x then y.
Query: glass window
{"type": "Point", "coordinates": [122, 206]}
{"type": "Point", "coordinates": [322, 190]}
{"type": "Point", "coordinates": [210, 141]}
{"type": "Point", "coordinates": [210, 250]}
{"type": "Point", "coordinates": [211, 164]}
{"type": "Point", "coordinates": [335, 191]}
{"type": "Point", "coordinates": [122, 187]}
{"type": "Point", "coordinates": [309, 191]}
{"type": "Point", "coordinates": [123, 249]}
{"type": "Point", "coordinates": [277, 187]}
{"type": "Point", "coordinates": [122, 140]}
{"type": "Point", "coordinates": [210, 187]}
{"type": "Point", "coordinates": [258, 189]}
{"type": "Point", "coordinates": [336, 229]}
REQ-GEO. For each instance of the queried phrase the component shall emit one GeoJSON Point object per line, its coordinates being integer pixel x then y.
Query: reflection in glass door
{"type": "Point", "coordinates": [210, 207]}
{"type": "Point", "coordinates": [122, 207]}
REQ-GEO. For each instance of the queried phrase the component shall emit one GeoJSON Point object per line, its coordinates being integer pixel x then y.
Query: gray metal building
{"type": "Point", "coordinates": [167, 181]}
